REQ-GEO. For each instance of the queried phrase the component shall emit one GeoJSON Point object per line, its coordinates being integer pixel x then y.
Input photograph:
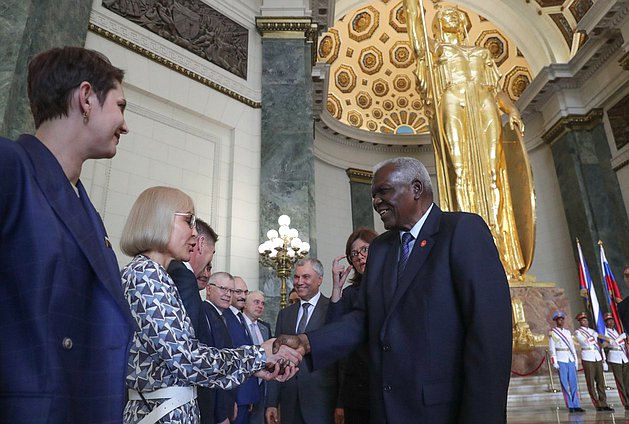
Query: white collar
{"type": "Point", "coordinates": [418, 225]}
{"type": "Point", "coordinates": [313, 301]}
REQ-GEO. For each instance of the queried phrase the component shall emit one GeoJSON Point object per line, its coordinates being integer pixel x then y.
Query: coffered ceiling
{"type": "Point", "coordinates": [371, 82]}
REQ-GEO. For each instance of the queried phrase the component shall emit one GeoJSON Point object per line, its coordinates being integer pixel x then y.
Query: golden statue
{"type": "Point", "coordinates": [459, 83]}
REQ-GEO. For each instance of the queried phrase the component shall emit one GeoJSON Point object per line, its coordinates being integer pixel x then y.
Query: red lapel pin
{"type": "Point", "coordinates": [423, 243]}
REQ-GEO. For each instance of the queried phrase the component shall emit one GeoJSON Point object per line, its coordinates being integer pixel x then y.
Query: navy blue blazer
{"type": "Point", "coordinates": [248, 392]}
{"type": "Point", "coordinates": [65, 323]}
{"type": "Point", "coordinates": [440, 351]}
{"type": "Point", "coordinates": [223, 399]}
{"type": "Point", "coordinates": [186, 283]}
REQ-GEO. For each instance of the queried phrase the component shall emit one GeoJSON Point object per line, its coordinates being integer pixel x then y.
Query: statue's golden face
{"type": "Point", "coordinates": [449, 20]}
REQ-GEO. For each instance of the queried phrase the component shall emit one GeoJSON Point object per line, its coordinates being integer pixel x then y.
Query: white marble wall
{"type": "Point", "coordinates": [189, 136]}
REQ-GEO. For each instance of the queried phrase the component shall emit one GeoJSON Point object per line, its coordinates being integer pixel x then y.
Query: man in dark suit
{"type": "Point", "coordinates": [218, 299]}
{"type": "Point", "coordinates": [65, 324]}
{"type": "Point", "coordinates": [260, 331]}
{"type": "Point", "coordinates": [190, 277]}
{"type": "Point", "coordinates": [310, 397]}
{"type": "Point", "coordinates": [248, 393]}
{"type": "Point", "coordinates": [438, 320]}
{"type": "Point", "coordinates": [623, 307]}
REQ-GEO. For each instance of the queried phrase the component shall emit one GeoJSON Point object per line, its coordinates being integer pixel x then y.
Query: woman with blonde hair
{"type": "Point", "coordinates": [166, 362]}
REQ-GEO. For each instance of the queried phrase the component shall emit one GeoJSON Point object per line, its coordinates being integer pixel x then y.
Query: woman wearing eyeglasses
{"type": "Point", "coordinates": [354, 391]}
{"type": "Point", "coordinates": [165, 360]}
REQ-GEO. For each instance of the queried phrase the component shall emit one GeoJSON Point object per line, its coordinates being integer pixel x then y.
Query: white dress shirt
{"type": "Point", "coordinates": [313, 304]}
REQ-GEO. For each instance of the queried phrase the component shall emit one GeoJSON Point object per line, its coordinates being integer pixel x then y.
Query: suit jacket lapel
{"type": "Point", "coordinates": [389, 270]}
{"type": "Point", "coordinates": [72, 212]}
{"type": "Point", "coordinates": [317, 319]}
{"type": "Point", "coordinates": [421, 249]}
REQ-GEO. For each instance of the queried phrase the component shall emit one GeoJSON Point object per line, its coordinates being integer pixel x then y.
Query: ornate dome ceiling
{"type": "Point", "coordinates": [371, 80]}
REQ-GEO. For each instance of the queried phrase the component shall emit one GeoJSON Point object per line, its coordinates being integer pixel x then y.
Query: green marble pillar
{"type": "Point", "coordinates": [27, 28]}
{"type": "Point", "coordinates": [591, 193]}
{"type": "Point", "coordinates": [287, 161]}
{"type": "Point", "coordinates": [360, 191]}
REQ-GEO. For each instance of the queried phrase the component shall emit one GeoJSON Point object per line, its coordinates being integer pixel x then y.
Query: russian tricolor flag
{"type": "Point", "coordinates": [611, 288]}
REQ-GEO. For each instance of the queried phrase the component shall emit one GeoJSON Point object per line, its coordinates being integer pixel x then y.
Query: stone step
{"type": "Point", "coordinates": [535, 392]}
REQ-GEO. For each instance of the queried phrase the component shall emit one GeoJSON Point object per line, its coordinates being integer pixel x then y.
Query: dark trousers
{"type": "Point", "coordinates": [356, 416]}
{"type": "Point", "coordinates": [621, 376]}
{"type": "Point", "coordinates": [596, 384]}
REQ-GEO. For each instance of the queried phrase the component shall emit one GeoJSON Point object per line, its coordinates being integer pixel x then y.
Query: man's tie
{"type": "Point", "coordinates": [304, 319]}
{"type": "Point", "coordinates": [254, 333]}
{"type": "Point", "coordinates": [244, 325]}
{"type": "Point", "coordinates": [404, 253]}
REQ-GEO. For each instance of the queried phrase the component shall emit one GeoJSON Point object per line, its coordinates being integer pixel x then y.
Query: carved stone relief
{"type": "Point", "coordinates": [193, 25]}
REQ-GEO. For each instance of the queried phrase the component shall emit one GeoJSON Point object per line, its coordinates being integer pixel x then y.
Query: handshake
{"type": "Point", "coordinates": [283, 354]}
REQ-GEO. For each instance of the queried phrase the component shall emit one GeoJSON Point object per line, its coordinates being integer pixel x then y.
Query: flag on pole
{"type": "Point", "coordinates": [586, 281]}
{"type": "Point", "coordinates": [611, 288]}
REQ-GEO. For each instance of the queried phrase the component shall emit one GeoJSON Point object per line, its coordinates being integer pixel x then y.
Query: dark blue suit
{"type": "Point", "coordinates": [440, 351]}
{"type": "Point", "coordinates": [186, 283]}
{"type": "Point", "coordinates": [223, 399]}
{"type": "Point", "coordinates": [248, 392]}
{"type": "Point", "coordinates": [65, 325]}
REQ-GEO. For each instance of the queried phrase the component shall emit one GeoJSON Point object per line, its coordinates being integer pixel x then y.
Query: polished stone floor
{"type": "Point", "coordinates": [553, 415]}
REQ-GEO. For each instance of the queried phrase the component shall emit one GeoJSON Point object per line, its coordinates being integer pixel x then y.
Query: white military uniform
{"type": "Point", "coordinates": [564, 357]}
{"type": "Point", "coordinates": [592, 358]}
{"type": "Point", "coordinates": [619, 363]}
{"type": "Point", "coordinates": [588, 340]}
{"type": "Point", "coordinates": [616, 353]}
{"type": "Point", "coordinates": [561, 348]}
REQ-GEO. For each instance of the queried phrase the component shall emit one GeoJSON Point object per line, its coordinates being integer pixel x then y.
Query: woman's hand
{"type": "Point", "coordinates": [339, 277]}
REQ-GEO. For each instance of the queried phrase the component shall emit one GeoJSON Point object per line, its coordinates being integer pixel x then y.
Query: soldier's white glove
{"type": "Point", "coordinates": [556, 365]}
{"type": "Point", "coordinates": [605, 366]}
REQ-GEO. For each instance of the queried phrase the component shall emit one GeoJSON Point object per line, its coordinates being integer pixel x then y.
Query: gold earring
{"type": "Point", "coordinates": [86, 117]}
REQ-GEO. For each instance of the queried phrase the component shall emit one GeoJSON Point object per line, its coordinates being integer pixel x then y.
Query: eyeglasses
{"type": "Point", "coordinates": [193, 219]}
{"type": "Point", "coordinates": [240, 291]}
{"type": "Point", "coordinates": [223, 289]}
{"type": "Point", "coordinates": [362, 251]}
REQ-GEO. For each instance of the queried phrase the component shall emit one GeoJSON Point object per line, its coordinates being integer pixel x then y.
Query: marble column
{"type": "Point", "coordinates": [287, 161]}
{"type": "Point", "coordinates": [360, 191]}
{"type": "Point", "coordinates": [29, 27]}
{"type": "Point", "coordinates": [590, 193]}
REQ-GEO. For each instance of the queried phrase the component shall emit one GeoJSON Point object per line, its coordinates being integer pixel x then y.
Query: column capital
{"type": "Point", "coordinates": [573, 123]}
{"type": "Point", "coordinates": [287, 27]}
{"type": "Point", "coordinates": [359, 175]}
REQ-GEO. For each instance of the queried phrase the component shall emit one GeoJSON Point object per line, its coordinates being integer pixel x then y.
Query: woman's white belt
{"type": "Point", "coordinates": [174, 396]}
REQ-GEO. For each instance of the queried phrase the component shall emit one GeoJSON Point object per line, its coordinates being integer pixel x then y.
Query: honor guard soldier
{"type": "Point", "coordinates": [563, 356]}
{"type": "Point", "coordinates": [592, 358]}
{"type": "Point", "coordinates": [617, 358]}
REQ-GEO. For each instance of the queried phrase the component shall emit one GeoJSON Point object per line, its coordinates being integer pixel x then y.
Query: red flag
{"type": "Point", "coordinates": [611, 288]}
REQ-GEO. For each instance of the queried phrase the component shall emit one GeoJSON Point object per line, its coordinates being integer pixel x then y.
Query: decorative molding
{"type": "Point", "coordinates": [573, 123]}
{"type": "Point", "coordinates": [359, 175]}
{"type": "Point", "coordinates": [291, 28]}
{"type": "Point", "coordinates": [624, 62]}
{"type": "Point", "coordinates": [620, 160]}
{"type": "Point", "coordinates": [172, 65]}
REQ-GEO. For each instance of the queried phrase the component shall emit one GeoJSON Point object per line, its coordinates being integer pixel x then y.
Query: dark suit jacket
{"type": "Point", "coordinates": [223, 399]}
{"type": "Point", "coordinates": [623, 311]}
{"type": "Point", "coordinates": [440, 352]}
{"type": "Point", "coordinates": [313, 393]}
{"type": "Point", "coordinates": [354, 370]}
{"type": "Point", "coordinates": [65, 324]}
{"type": "Point", "coordinates": [248, 392]}
{"type": "Point", "coordinates": [186, 283]}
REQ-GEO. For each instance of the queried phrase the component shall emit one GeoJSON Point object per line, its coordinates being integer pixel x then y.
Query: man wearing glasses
{"type": "Point", "coordinates": [218, 299]}
{"type": "Point", "coordinates": [247, 394]}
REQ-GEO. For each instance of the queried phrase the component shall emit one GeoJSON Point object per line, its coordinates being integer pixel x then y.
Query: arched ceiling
{"type": "Point", "coordinates": [371, 81]}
